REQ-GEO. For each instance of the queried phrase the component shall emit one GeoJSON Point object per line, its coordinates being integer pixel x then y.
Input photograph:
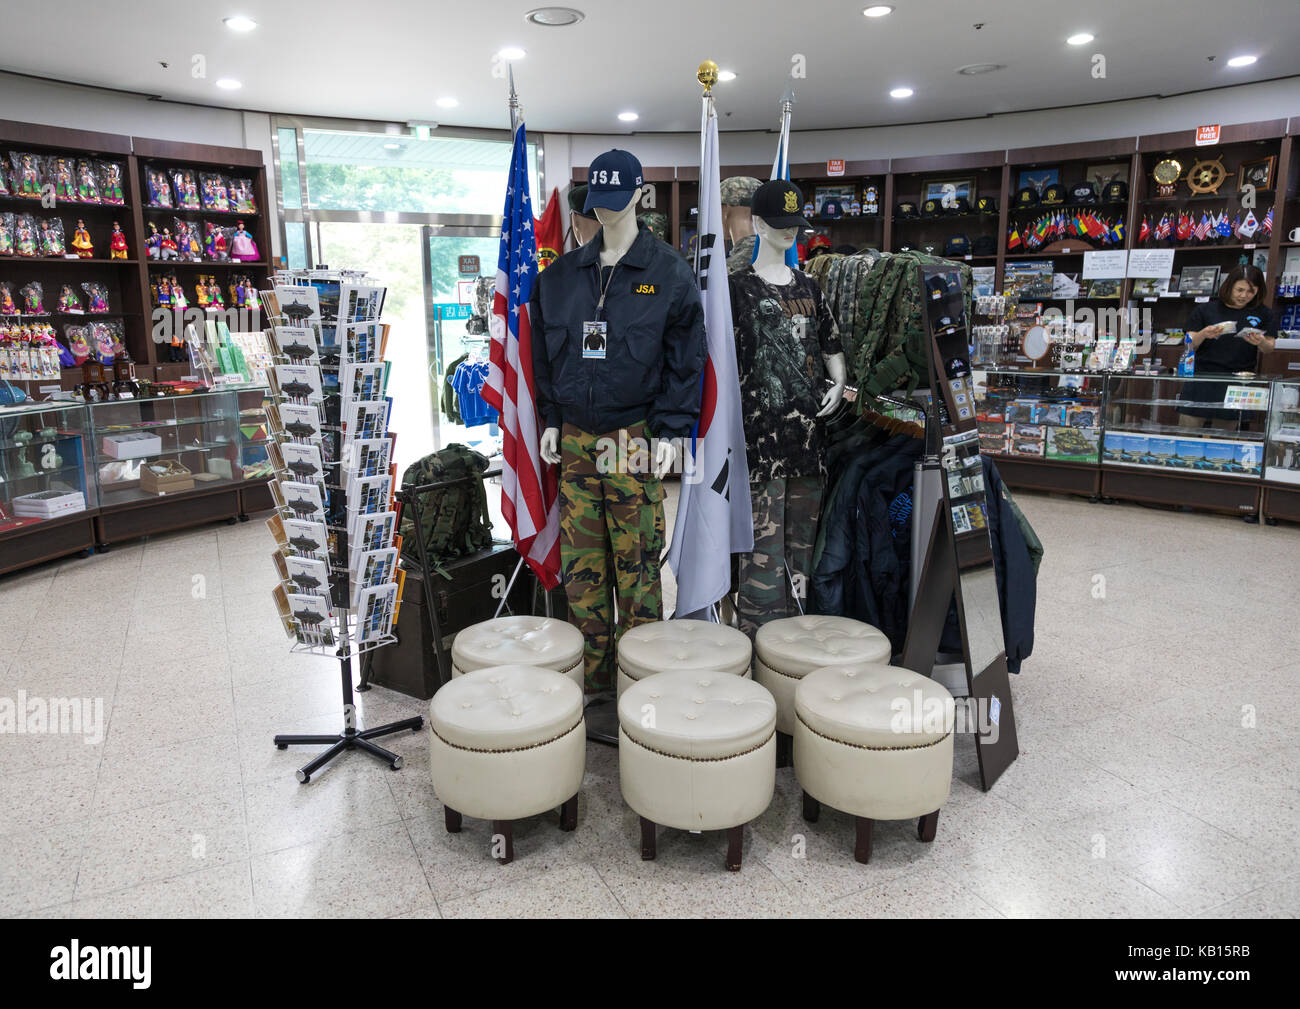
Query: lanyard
{"type": "Point", "coordinates": [603, 290]}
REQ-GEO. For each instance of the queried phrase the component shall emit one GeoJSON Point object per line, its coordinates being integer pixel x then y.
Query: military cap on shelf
{"type": "Point", "coordinates": [957, 245]}
{"type": "Point", "coordinates": [1054, 194]}
{"type": "Point", "coordinates": [1083, 192]}
{"type": "Point", "coordinates": [931, 208]}
{"type": "Point", "coordinates": [906, 210]}
{"type": "Point", "coordinates": [738, 191]}
{"type": "Point", "coordinates": [987, 205]}
{"type": "Point", "coordinates": [1115, 192]}
{"type": "Point", "coordinates": [1027, 197]}
{"type": "Point", "coordinates": [961, 205]}
{"type": "Point", "coordinates": [984, 246]}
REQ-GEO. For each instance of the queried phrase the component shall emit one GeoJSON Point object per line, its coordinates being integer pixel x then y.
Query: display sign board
{"type": "Point", "coordinates": [447, 311]}
{"type": "Point", "coordinates": [1207, 136]}
{"type": "Point", "coordinates": [469, 266]}
{"type": "Point", "coordinates": [1109, 265]}
{"type": "Point", "coordinates": [465, 291]}
{"type": "Point", "coordinates": [1157, 263]}
{"type": "Point", "coordinates": [835, 167]}
{"type": "Point", "coordinates": [1246, 397]}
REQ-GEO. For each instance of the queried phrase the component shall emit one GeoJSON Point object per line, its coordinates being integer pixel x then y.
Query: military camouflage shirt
{"type": "Point", "coordinates": [741, 255]}
{"type": "Point", "coordinates": [781, 335]}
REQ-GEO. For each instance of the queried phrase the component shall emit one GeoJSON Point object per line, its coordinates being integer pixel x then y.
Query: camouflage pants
{"type": "Point", "coordinates": [785, 528]}
{"type": "Point", "coordinates": [611, 531]}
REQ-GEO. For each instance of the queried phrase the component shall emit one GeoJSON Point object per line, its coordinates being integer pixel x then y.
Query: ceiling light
{"type": "Point", "coordinates": [239, 23]}
{"type": "Point", "coordinates": [392, 147]}
{"type": "Point", "coordinates": [628, 117]}
{"type": "Point", "coordinates": [554, 17]}
{"type": "Point", "coordinates": [1242, 61]}
{"type": "Point", "coordinates": [878, 10]}
{"type": "Point", "coordinates": [980, 68]}
{"type": "Point", "coordinates": [229, 84]}
{"type": "Point", "coordinates": [511, 53]}
{"type": "Point", "coordinates": [901, 93]}
{"type": "Point", "coordinates": [726, 75]}
{"type": "Point", "coordinates": [447, 103]}
{"type": "Point", "coordinates": [1082, 39]}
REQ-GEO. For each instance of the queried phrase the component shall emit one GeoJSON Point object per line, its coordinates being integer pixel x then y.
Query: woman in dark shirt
{"type": "Point", "coordinates": [1227, 335]}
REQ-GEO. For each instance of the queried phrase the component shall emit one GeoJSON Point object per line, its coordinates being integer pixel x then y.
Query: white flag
{"type": "Point", "coordinates": [714, 518]}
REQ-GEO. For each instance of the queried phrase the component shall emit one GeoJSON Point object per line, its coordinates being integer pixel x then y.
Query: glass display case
{"type": "Point", "coordinates": [254, 462]}
{"type": "Point", "coordinates": [1282, 454]}
{"type": "Point", "coordinates": [1043, 427]}
{"type": "Point", "coordinates": [47, 495]}
{"type": "Point", "coordinates": [165, 462]}
{"type": "Point", "coordinates": [1209, 430]}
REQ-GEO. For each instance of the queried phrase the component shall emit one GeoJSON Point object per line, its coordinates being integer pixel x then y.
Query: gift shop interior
{"type": "Point", "coordinates": [848, 469]}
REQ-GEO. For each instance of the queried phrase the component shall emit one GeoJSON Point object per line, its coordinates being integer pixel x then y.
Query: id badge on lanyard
{"type": "Point", "coordinates": [595, 334]}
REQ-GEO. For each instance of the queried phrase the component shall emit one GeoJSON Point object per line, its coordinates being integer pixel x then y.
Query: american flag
{"type": "Point", "coordinates": [529, 487]}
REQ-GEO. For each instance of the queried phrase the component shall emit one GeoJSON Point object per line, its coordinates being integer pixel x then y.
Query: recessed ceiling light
{"type": "Point", "coordinates": [554, 17]}
{"type": "Point", "coordinates": [726, 75]}
{"type": "Point", "coordinates": [229, 84]}
{"type": "Point", "coordinates": [447, 103]}
{"type": "Point", "coordinates": [239, 23]}
{"type": "Point", "coordinates": [878, 10]}
{"type": "Point", "coordinates": [1082, 39]}
{"type": "Point", "coordinates": [980, 68]}
{"type": "Point", "coordinates": [511, 53]}
{"type": "Point", "coordinates": [1242, 61]}
{"type": "Point", "coordinates": [901, 93]}
{"type": "Point", "coordinates": [390, 146]}
{"type": "Point", "coordinates": [628, 117]}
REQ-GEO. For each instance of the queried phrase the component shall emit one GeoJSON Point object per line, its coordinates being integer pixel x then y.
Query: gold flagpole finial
{"type": "Point", "coordinates": [707, 75]}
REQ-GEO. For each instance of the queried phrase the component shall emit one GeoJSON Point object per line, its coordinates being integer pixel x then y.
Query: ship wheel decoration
{"type": "Point", "coordinates": [1206, 176]}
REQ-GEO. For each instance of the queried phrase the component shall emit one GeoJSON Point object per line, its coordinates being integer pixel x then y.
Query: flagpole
{"type": "Point", "coordinates": [513, 101]}
{"type": "Point", "coordinates": [707, 75]}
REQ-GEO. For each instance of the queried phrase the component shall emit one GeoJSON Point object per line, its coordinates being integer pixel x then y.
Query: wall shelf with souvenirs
{"type": "Point", "coordinates": [848, 208]}
{"type": "Point", "coordinates": [948, 206]}
{"type": "Point", "coordinates": [47, 497]}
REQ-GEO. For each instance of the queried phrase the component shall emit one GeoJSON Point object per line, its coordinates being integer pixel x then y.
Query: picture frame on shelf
{"type": "Point", "coordinates": [1258, 173]}
{"type": "Point", "coordinates": [952, 189]}
{"type": "Point", "coordinates": [1103, 175]}
{"type": "Point", "coordinates": [842, 196]}
{"type": "Point", "coordinates": [1198, 281]}
{"type": "Point", "coordinates": [1038, 179]}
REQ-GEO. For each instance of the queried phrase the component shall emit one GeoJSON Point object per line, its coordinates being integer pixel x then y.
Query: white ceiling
{"type": "Point", "coordinates": [390, 59]}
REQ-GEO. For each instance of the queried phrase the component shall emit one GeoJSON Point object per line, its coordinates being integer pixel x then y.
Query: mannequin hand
{"type": "Point", "coordinates": [550, 446]}
{"type": "Point", "coordinates": [832, 399]}
{"type": "Point", "coordinates": [665, 456]}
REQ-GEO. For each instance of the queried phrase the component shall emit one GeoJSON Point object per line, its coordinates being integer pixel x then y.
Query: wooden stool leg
{"type": "Point", "coordinates": [927, 825]}
{"type": "Point", "coordinates": [812, 809]}
{"type": "Point", "coordinates": [784, 749]}
{"type": "Point", "coordinates": [862, 847]}
{"type": "Point", "coordinates": [505, 828]}
{"type": "Point", "coordinates": [452, 819]}
{"type": "Point", "coordinates": [735, 842]}
{"type": "Point", "coordinates": [647, 840]}
{"type": "Point", "coordinates": [569, 813]}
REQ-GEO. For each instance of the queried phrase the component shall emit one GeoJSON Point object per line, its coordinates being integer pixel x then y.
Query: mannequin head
{"type": "Point", "coordinates": [779, 239]}
{"type": "Point", "coordinates": [737, 193]}
{"type": "Point", "coordinates": [583, 225]}
{"type": "Point", "coordinates": [611, 217]}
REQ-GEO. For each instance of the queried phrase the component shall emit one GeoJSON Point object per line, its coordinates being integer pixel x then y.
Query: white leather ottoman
{"type": "Point", "coordinates": [666, 645]}
{"type": "Point", "coordinates": [874, 741]}
{"type": "Point", "coordinates": [788, 649]}
{"type": "Point", "coordinates": [697, 751]}
{"type": "Point", "coordinates": [507, 742]}
{"type": "Point", "coordinates": [525, 641]}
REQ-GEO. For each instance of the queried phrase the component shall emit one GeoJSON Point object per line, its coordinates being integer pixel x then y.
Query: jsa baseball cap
{"type": "Point", "coordinates": [611, 180]}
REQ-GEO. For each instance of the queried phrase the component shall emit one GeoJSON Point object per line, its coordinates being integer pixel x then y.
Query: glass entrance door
{"type": "Point", "coordinates": [454, 258]}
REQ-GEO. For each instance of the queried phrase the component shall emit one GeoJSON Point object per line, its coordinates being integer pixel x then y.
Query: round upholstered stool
{"type": "Point", "coordinates": [507, 742]}
{"type": "Point", "coordinates": [786, 650]}
{"type": "Point", "coordinates": [696, 751]}
{"type": "Point", "coordinates": [525, 641]}
{"type": "Point", "coordinates": [681, 645]}
{"type": "Point", "coordinates": [874, 741]}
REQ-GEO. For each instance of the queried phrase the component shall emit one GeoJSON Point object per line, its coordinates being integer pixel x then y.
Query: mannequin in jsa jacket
{"type": "Point", "coordinates": [792, 374]}
{"type": "Point", "coordinates": [618, 356]}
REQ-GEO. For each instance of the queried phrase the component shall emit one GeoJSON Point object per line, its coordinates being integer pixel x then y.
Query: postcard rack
{"type": "Point", "coordinates": [336, 518]}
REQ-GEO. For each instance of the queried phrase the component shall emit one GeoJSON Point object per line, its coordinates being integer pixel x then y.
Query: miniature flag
{"type": "Point", "coordinates": [1144, 232]}
{"type": "Point", "coordinates": [1013, 239]}
{"type": "Point", "coordinates": [1249, 226]}
{"type": "Point", "coordinates": [1202, 227]}
{"type": "Point", "coordinates": [1184, 231]}
{"type": "Point", "coordinates": [1224, 227]}
{"type": "Point", "coordinates": [1266, 226]}
{"type": "Point", "coordinates": [1164, 228]}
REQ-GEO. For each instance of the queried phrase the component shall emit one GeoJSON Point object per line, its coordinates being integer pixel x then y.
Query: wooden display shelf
{"type": "Point", "coordinates": [1053, 475]}
{"type": "Point", "coordinates": [46, 540]}
{"type": "Point", "coordinates": [66, 261]}
{"type": "Point", "coordinates": [155, 513]}
{"type": "Point", "coordinates": [1281, 501]}
{"type": "Point", "coordinates": [1226, 494]}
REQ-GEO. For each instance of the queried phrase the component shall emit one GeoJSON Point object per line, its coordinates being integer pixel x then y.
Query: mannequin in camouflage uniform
{"type": "Point", "coordinates": [737, 192]}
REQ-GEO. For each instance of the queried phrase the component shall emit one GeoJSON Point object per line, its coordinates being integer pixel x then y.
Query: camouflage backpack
{"type": "Point", "coordinates": [454, 520]}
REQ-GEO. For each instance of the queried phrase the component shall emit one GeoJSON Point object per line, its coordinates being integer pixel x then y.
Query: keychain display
{"type": "Point", "coordinates": [216, 243]}
{"type": "Point", "coordinates": [160, 190]}
{"type": "Point", "coordinates": [213, 193]}
{"type": "Point", "coordinates": [52, 240]}
{"type": "Point", "coordinates": [188, 247]}
{"type": "Point", "coordinates": [242, 200]}
{"type": "Point", "coordinates": [32, 298]}
{"type": "Point", "coordinates": [25, 235]}
{"type": "Point", "coordinates": [26, 174]}
{"type": "Point", "coordinates": [81, 241]}
{"type": "Point", "coordinates": [69, 302]}
{"type": "Point", "coordinates": [185, 188]}
{"type": "Point", "coordinates": [61, 174]}
{"type": "Point", "coordinates": [6, 233]}
{"type": "Point", "coordinates": [117, 243]}
{"type": "Point", "coordinates": [98, 297]}
{"type": "Point", "coordinates": [110, 183]}
{"type": "Point", "coordinates": [242, 247]}
{"type": "Point", "coordinates": [87, 184]}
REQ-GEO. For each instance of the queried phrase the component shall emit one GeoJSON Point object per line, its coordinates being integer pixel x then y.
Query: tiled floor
{"type": "Point", "coordinates": [1157, 776]}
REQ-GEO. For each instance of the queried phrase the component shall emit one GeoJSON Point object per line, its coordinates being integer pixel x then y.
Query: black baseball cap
{"type": "Point", "coordinates": [779, 204]}
{"type": "Point", "coordinates": [611, 180]}
{"type": "Point", "coordinates": [578, 200]}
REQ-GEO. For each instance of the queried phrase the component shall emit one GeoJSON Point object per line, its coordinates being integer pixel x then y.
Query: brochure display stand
{"type": "Point", "coordinates": [336, 521]}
